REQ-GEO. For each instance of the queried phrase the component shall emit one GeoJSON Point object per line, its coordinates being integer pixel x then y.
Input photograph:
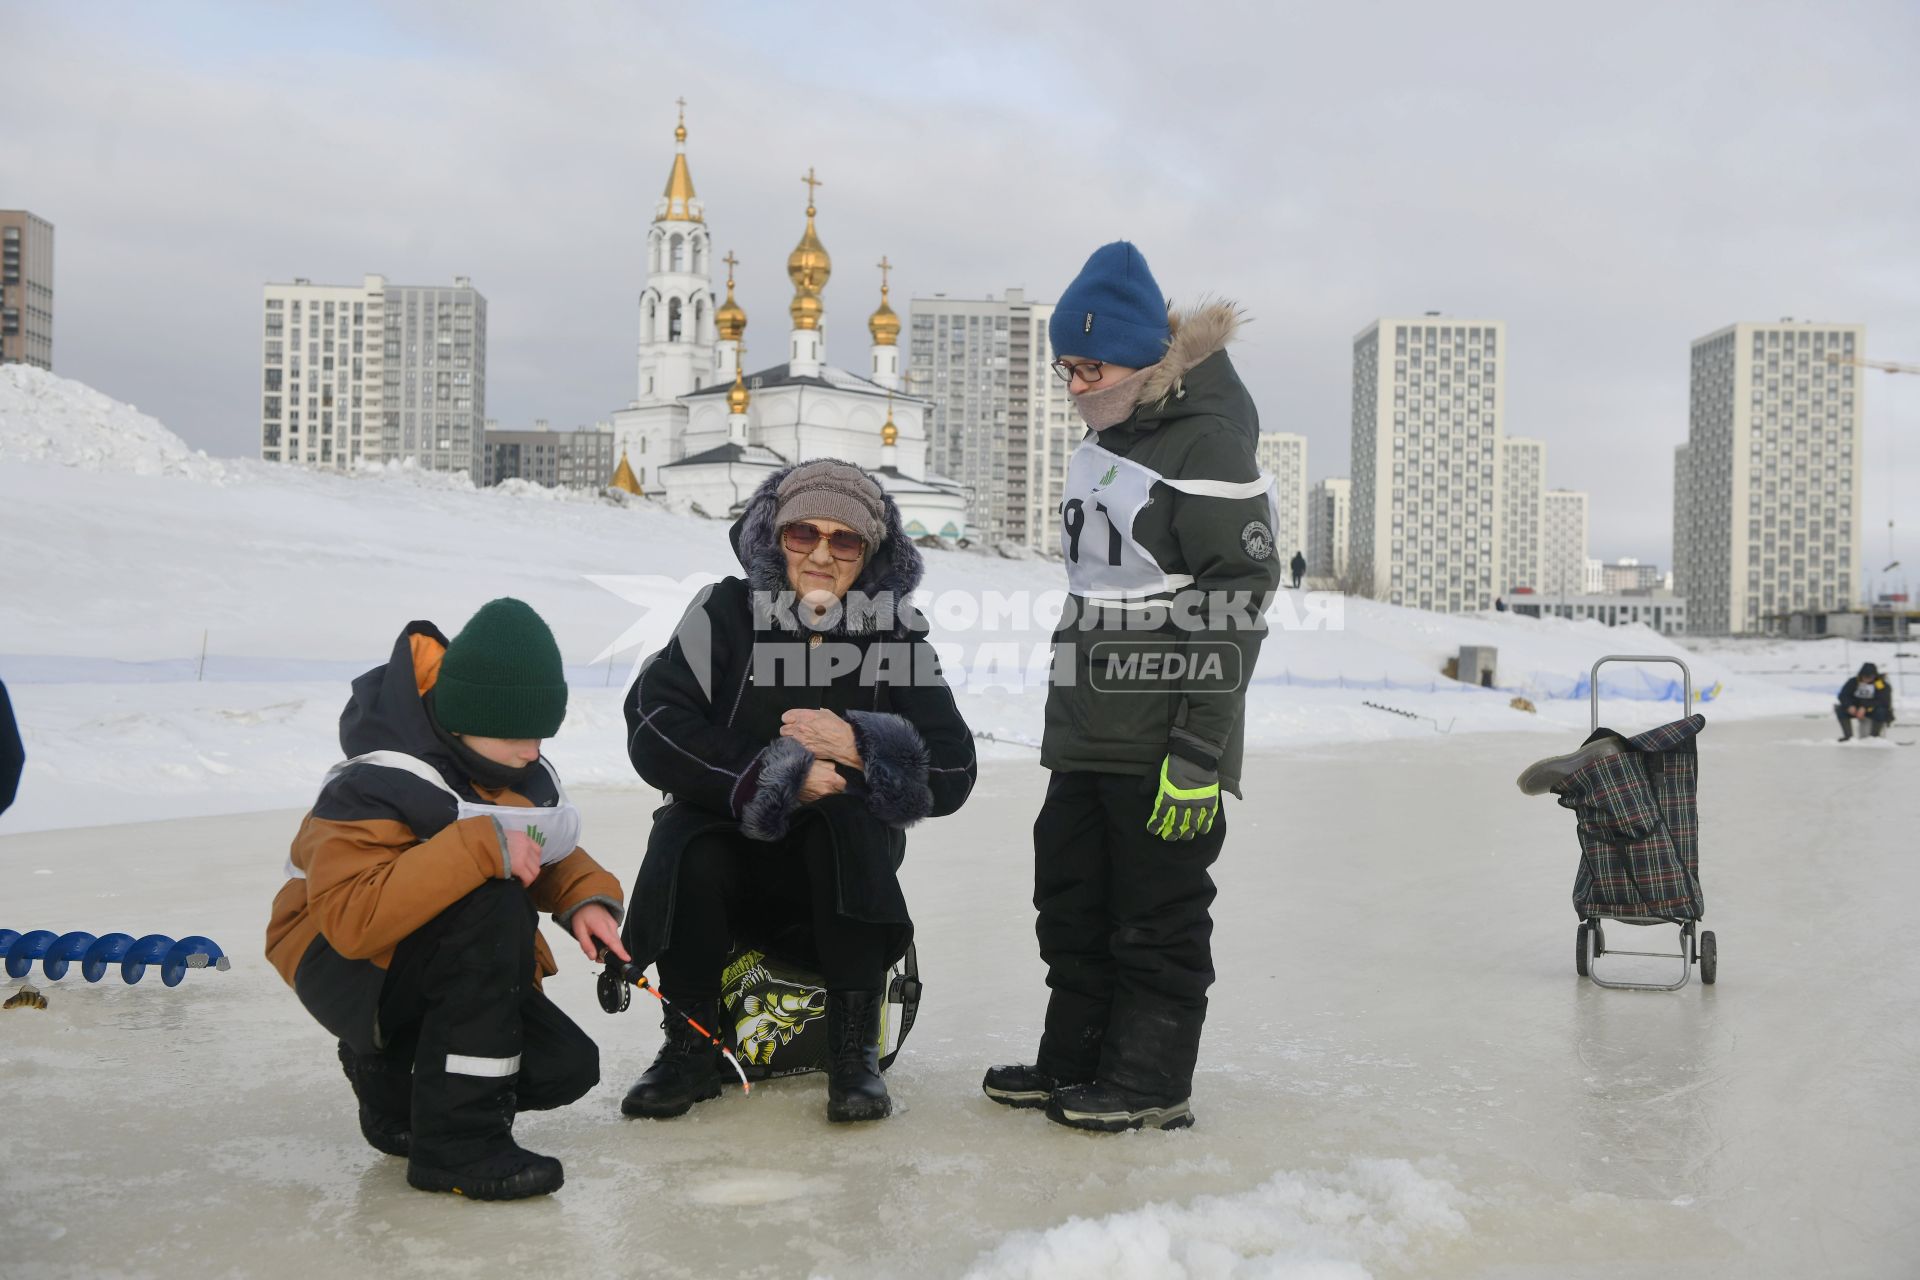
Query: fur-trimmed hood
{"type": "Point", "coordinates": [881, 596]}
{"type": "Point", "coordinates": [1197, 334]}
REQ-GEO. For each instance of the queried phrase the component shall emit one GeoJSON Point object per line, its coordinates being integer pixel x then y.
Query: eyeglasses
{"type": "Point", "coordinates": [1089, 370]}
{"type": "Point", "coordinates": [842, 544]}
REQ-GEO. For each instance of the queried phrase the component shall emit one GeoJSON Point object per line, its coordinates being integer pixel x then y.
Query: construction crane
{"type": "Point", "coordinates": [1885, 366]}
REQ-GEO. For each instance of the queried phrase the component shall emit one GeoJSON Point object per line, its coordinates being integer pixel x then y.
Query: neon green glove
{"type": "Point", "coordinates": [1188, 800]}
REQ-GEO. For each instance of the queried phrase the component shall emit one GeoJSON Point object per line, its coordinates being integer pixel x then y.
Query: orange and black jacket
{"type": "Point", "coordinates": [383, 851]}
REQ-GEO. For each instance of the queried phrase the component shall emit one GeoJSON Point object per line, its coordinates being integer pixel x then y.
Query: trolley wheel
{"type": "Point", "coordinates": [1709, 958]}
{"type": "Point", "coordinates": [1580, 949]}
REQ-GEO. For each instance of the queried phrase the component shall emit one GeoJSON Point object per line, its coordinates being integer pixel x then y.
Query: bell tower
{"type": "Point", "coordinates": [677, 326]}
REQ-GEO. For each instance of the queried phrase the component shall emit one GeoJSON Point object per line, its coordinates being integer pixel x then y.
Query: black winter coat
{"type": "Point", "coordinates": [1871, 692]}
{"type": "Point", "coordinates": [703, 726]}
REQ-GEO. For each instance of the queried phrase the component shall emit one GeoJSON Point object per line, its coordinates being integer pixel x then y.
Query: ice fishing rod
{"type": "Point", "coordinates": [616, 985]}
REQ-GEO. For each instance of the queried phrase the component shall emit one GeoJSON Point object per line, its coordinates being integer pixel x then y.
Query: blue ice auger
{"type": "Point", "coordinates": [56, 951]}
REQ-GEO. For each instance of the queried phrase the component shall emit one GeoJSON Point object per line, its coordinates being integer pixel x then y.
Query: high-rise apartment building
{"type": "Point", "coordinates": [1329, 512]}
{"type": "Point", "coordinates": [998, 421]}
{"type": "Point", "coordinates": [1563, 563]}
{"type": "Point", "coordinates": [1523, 513]}
{"type": "Point", "coordinates": [1428, 407]}
{"type": "Point", "coordinates": [578, 459]}
{"type": "Point", "coordinates": [1766, 489]}
{"type": "Point", "coordinates": [26, 289]}
{"type": "Point", "coordinates": [374, 371]}
{"type": "Point", "coordinates": [1283, 456]}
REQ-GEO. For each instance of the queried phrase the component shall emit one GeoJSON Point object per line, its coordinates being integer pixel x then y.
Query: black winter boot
{"type": "Point", "coordinates": [855, 1090]}
{"type": "Point", "coordinates": [1108, 1108]}
{"type": "Point", "coordinates": [685, 1071]}
{"type": "Point", "coordinates": [384, 1087]}
{"type": "Point", "coordinates": [1021, 1086]}
{"type": "Point", "coordinates": [512, 1174]}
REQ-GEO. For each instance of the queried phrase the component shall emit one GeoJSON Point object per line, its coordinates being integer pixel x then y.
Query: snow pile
{"type": "Point", "coordinates": [47, 418]}
{"type": "Point", "coordinates": [124, 557]}
{"type": "Point", "coordinates": [1293, 1226]}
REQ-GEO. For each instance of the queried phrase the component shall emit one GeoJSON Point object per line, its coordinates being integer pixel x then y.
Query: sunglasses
{"type": "Point", "coordinates": [842, 544]}
{"type": "Point", "coordinates": [1090, 371]}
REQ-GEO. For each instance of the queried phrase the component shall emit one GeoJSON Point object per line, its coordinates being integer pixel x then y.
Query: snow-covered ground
{"type": "Point", "coordinates": [1402, 1075]}
{"type": "Point", "coordinates": [124, 556]}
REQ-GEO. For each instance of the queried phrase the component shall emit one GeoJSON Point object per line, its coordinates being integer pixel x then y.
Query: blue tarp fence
{"type": "Point", "coordinates": [1629, 685]}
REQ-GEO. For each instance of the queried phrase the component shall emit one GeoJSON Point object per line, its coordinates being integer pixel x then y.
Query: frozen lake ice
{"type": "Point", "coordinates": [1402, 1075]}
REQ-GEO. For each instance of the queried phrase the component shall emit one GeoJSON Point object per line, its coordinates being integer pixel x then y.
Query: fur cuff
{"type": "Point", "coordinates": [895, 760]}
{"type": "Point", "coordinates": [769, 791]}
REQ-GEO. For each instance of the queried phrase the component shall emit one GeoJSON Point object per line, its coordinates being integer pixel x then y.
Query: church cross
{"type": "Point", "coordinates": [885, 267]}
{"type": "Point", "coordinates": [811, 182]}
{"type": "Point", "coordinates": [731, 262]}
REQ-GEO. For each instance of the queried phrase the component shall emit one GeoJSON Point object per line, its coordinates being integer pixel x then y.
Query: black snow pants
{"type": "Point", "coordinates": [780, 895]}
{"type": "Point", "coordinates": [1864, 726]}
{"type": "Point", "coordinates": [457, 1009]}
{"type": "Point", "coordinates": [1125, 933]}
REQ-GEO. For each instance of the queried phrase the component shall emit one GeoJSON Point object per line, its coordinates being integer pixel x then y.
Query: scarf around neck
{"type": "Point", "coordinates": [1109, 405]}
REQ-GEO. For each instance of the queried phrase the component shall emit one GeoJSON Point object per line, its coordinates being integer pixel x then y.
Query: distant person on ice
{"type": "Point", "coordinates": [13, 756]}
{"type": "Point", "coordinates": [1864, 701]}
{"type": "Point", "coordinates": [407, 925]}
{"type": "Point", "coordinates": [1165, 506]}
{"type": "Point", "coordinates": [1299, 566]}
{"type": "Point", "coordinates": [800, 724]}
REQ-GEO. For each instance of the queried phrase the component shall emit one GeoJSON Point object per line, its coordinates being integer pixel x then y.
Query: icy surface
{"type": "Point", "coordinates": [1402, 1076]}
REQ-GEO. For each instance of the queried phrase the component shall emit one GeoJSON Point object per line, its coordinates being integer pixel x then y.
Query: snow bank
{"type": "Point", "coordinates": [1294, 1226]}
{"type": "Point", "coordinates": [47, 418]}
{"type": "Point", "coordinates": [124, 556]}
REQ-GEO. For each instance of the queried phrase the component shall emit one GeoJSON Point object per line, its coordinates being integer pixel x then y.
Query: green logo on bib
{"type": "Point", "coordinates": [1107, 479]}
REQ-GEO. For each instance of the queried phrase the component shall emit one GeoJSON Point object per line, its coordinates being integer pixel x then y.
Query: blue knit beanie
{"type": "Point", "coordinates": [1113, 311]}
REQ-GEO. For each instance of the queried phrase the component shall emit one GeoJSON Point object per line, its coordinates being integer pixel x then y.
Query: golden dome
{"type": "Point", "coordinates": [884, 324]}
{"type": "Point", "coordinates": [623, 477]}
{"type": "Point", "coordinates": [679, 193]}
{"type": "Point", "coordinates": [737, 397]}
{"type": "Point", "coordinates": [889, 433]}
{"type": "Point", "coordinates": [809, 265]}
{"type": "Point", "coordinates": [730, 320]}
{"type": "Point", "coordinates": [806, 310]}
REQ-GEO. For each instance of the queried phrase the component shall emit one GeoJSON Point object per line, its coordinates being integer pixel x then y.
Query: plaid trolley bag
{"type": "Point", "coordinates": [1638, 821]}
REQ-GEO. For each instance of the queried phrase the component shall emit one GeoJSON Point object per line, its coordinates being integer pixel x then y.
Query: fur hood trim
{"type": "Point", "coordinates": [1197, 334]}
{"type": "Point", "coordinates": [881, 597]}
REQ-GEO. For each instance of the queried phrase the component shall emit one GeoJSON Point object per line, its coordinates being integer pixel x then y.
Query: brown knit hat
{"type": "Point", "coordinates": [832, 490]}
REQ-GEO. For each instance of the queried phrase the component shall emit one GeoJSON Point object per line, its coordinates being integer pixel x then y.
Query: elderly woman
{"type": "Point", "coordinates": [798, 723]}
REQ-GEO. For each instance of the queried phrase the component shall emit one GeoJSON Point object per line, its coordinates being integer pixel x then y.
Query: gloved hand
{"type": "Point", "coordinates": [1188, 800]}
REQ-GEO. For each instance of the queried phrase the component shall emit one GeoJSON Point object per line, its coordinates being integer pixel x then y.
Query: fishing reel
{"type": "Point", "coordinates": [614, 990]}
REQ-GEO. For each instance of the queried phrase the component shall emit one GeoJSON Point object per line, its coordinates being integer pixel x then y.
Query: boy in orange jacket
{"type": "Point", "coordinates": [407, 925]}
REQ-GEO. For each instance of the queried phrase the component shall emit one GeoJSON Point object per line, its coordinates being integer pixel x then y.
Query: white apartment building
{"type": "Point", "coordinates": [1628, 576]}
{"type": "Point", "coordinates": [1428, 408]}
{"type": "Point", "coordinates": [374, 371]}
{"type": "Point", "coordinates": [1767, 488]}
{"type": "Point", "coordinates": [1563, 561]}
{"type": "Point", "coordinates": [998, 421]}
{"type": "Point", "coordinates": [1329, 513]}
{"type": "Point", "coordinates": [1283, 456]}
{"type": "Point", "coordinates": [1523, 513]}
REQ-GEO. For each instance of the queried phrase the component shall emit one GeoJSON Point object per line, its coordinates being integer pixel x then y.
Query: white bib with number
{"type": "Point", "coordinates": [555, 828]}
{"type": "Point", "coordinates": [1104, 494]}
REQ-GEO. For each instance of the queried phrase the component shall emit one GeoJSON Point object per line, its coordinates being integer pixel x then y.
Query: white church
{"type": "Point", "coordinates": [704, 432]}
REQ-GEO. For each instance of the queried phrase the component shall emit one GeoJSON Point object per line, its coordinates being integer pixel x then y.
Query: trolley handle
{"type": "Point", "coordinates": [1593, 679]}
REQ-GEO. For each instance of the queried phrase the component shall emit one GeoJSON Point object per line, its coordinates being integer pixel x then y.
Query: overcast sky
{"type": "Point", "coordinates": [1612, 183]}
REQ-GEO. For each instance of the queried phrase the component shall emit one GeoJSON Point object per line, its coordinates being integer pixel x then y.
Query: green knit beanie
{"type": "Point", "coordinates": [501, 677]}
